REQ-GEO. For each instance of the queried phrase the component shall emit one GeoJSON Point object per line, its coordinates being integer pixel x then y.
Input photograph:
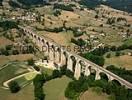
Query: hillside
{"type": "Point", "coordinates": [125, 5]}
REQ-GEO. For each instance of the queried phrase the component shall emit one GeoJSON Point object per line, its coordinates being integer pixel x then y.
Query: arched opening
{"type": "Point", "coordinates": [65, 58]}
{"type": "Point", "coordinates": [31, 34]}
{"type": "Point", "coordinates": [39, 38]}
{"type": "Point", "coordinates": [58, 53]}
{"type": "Point", "coordinates": [92, 71]}
{"type": "Point", "coordinates": [116, 82]}
{"type": "Point", "coordinates": [24, 33]}
{"type": "Point", "coordinates": [53, 50]}
{"type": "Point", "coordinates": [104, 76]}
{"type": "Point", "coordinates": [83, 67]}
{"type": "Point", "coordinates": [35, 36]}
{"type": "Point", "coordinates": [43, 41]}
{"type": "Point", "coordinates": [73, 63]}
{"type": "Point", "coordinates": [47, 43]}
{"type": "Point", "coordinates": [28, 32]}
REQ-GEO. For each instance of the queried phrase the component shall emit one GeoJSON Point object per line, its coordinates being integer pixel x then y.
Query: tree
{"type": "Point", "coordinates": [57, 13]}
{"type": "Point", "coordinates": [81, 42]}
{"type": "Point", "coordinates": [96, 16]}
{"type": "Point", "coordinates": [63, 70]}
{"type": "Point", "coordinates": [15, 52]}
{"type": "Point", "coordinates": [94, 58]}
{"type": "Point", "coordinates": [69, 73]}
{"type": "Point", "coordinates": [30, 62]}
{"type": "Point", "coordinates": [38, 82]}
{"type": "Point", "coordinates": [56, 73]}
{"type": "Point", "coordinates": [8, 47]}
{"type": "Point", "coordinates": [14, 87]}
{"type": "Point", "coordinates": [117, 53]}
{"type": "Point", "coordinates": [4, 52]}
{"type": "Point", "coordinates": [31, 49]}
{"type": "Point", "coordinates": [36, 68]}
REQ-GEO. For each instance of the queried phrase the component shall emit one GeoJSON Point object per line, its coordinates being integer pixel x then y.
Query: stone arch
{"type": "Point", "coordinates": [47, 44]}
{"type": "Point", "coordinates": [31, 34]}
{"type": "Point", "coordinates": [92, 70]}
{"type": "Point", "coordinates": [35, 36]}
{"type": "Point", "coordinates": [73, 62]}
{"type": "Point", "coordinates": [28, 32]}
{"type": "Point", "coordinates": [59, 51]}
{"type": "Point", "coordinates": [83, 66]}
{"type": "Point", "coordinates": [53, 48]}
{"type": "Point", "coordinates": [104, 76]}
{"type": "Point", "coordinates": [24, 34]}
{"type": "Point", "coordinates": [57, 55]}
{"type": "Point", "coordinates": [51, 52]}
{"type": "Point", "coordinates": [39, 38]}
{"type": "Point", "coordinates": [64, 57]}
{"type": "Point", "coordinates": [25, 31]}
{"type": "Point", "coordinates": [43, 41]}
{"type": "Point", "coordinates": [116, 82]}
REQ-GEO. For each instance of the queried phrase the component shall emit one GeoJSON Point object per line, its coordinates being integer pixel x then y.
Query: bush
{"type": "Point", "coordinates": [57, 30]}
{"type": "Point", "coordinates": [38, 82]}
{"type": "Point", "coordinates": [14, 87]}
{"type": "Point", "coordinates": [57, 13]}
{"type": "Point", "coordinates": [15, 52]}
{"type": "Point", "coordinates": [8, 25]}
{"type": "Point", "coordinates": [69, 74]}
{"type": "Point", "coordinates": [56, 74]}
{"type": "Point", "coordinates": [126, 74]}
{"type": "Point", "coordinates": [75, 88]}
{"type": "Point", "coordinates": [36, 68]}
{"type": "Point", "coordinates": [63, 70]}
{"type": "Point", "coordinates": [8, 47]}
{"type": "Point", "coordinates": [63, 7]}
{"type": "Point", "coordinates": [117, 53]}
{"type": "Point", "coordinates": [79, 42]}
{"type": "Point", "coordinates": [108, 55]}
{"type": "Point", "coordinates": [4, 52]}
{"type": "Point", "coordinates": [30, 62]}
{"type": "Point", "coordinates": [96, 16]}
{"type": "Point", "coordinates": [99, 60]}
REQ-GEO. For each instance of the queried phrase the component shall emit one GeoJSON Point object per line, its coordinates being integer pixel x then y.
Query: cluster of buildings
{"type": "Point", "coordinates": [27, 17]}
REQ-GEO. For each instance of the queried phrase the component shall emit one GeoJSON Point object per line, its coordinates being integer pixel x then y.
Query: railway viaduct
{"type": "Point", "coordinates": [74, 62]}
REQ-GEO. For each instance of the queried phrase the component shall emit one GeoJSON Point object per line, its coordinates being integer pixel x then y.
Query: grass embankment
{"type": "Point", "coordinates": [11, 71]}
{"type": "Point", "coordinates": [55, 88]}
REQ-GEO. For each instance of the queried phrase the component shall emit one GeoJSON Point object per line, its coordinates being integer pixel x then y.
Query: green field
{"type": "Point", "coordinates": [128, 42]}
{"type": "Point", "coordinates": [26, 79]}
{"type": "Point", "coordinates": [27, 93]}
{"type": "Point", "coordinates": [11, 71]}
{"type": "Point", "coordinates": [95, 94]}
{"type": "Point", "coordinates": [54, 89]}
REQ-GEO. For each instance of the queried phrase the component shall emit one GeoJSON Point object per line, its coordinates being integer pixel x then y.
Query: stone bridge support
{"type": "Point", "coordinates": [57, 55]}
{"type": "Point", "coordinates": [45, 49]}
{"type": "Point", "coordinates": [69, 63]}
{"type": "Point", "coordinates": [97, 76]}
{"type": "Point", "coordinates": [51, 54]}
{"type": "Point", "coordinates": [77, 72]}
{"type": "Point", "coordinates": [64, 58]}
{"type": "Point", "coordinates": [87, 70]}
{"type": "Point", "coordinates": [110, 78]}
